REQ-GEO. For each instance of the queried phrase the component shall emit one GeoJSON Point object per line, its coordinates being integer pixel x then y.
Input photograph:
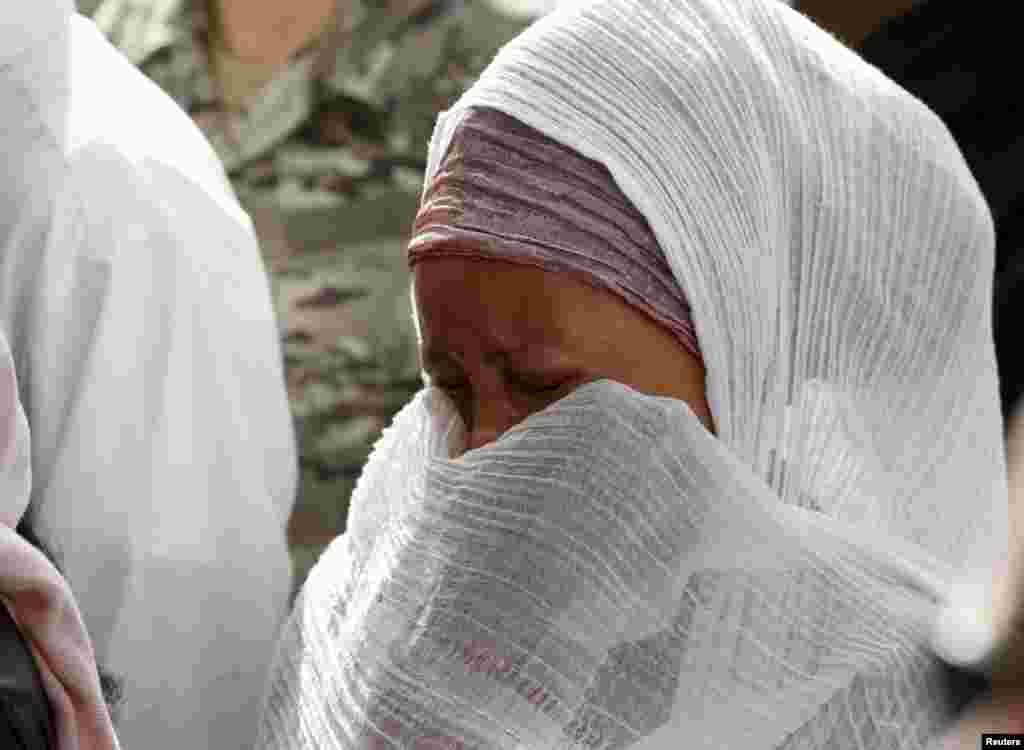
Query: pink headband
{"type": "Point", "coordinates": [38, 597]}
{"type": "Point", "coordinates": [507, 192]}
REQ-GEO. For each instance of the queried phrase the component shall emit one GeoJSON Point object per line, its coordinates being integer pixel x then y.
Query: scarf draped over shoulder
{"type": "Point", "coordinates": [39, 600]}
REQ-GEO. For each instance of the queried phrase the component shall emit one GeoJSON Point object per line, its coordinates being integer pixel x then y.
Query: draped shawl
{"type": "Point", "coordinates": [608, 574]}
{"type": "Point", "coordinates": [39, 600]}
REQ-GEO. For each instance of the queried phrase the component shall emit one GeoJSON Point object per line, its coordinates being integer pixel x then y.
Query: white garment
{"type": "Point", "coordinates": [138, 311]}
{"type": "Point", "coordinates": [639, 582]}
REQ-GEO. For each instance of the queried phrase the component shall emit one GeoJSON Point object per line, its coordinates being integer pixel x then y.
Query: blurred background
{"type": "Point", "coordinates": [321, 111]}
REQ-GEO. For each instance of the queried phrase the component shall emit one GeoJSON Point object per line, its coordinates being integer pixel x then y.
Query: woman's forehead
{"type": "Point", "coordinates": [513, 305]}
{"type": "Point", "coordinates": [503, 308]}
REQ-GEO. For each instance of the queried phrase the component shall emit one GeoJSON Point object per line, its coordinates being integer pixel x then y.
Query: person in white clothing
{"type": "Point", "coordinates": [141, 325]}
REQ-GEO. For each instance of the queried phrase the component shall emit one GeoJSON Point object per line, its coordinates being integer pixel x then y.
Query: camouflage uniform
{"type": "Point", "coordinates": [329, 161]}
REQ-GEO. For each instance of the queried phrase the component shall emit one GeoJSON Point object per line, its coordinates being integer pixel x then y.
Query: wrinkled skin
{"type": "Point", "coordinates": [505, 341]}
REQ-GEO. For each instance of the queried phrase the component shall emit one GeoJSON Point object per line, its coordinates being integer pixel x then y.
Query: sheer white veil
{"type": "Point", "coordinates": [633, 580]}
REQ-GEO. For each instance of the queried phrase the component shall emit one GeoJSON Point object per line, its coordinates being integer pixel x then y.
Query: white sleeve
{"type": "Point", "coordinates": [163, 446]}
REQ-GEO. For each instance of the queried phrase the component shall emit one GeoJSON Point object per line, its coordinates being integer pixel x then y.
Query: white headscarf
{"type": "Point", "coordinates": [625, 578]}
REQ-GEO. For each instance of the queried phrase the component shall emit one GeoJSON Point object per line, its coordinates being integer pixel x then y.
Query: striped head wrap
{"type": "Point", "coordinates": [507, 192]}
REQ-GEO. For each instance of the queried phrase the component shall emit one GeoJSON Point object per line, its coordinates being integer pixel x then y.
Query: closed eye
{"type": "Point", "coordinates": [527, 385]}
{"type": "Point", "coordinates": [535, 385]}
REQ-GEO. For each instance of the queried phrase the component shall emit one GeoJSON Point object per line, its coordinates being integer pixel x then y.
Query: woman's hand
{"type": "Point", "coordinates": [1004, 711]}
{"type": "Point", "coordinates": [1003, 714]}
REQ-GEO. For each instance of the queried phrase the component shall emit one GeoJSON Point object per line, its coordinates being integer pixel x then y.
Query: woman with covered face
{"type": "Point", "coordinates": [711, 441]}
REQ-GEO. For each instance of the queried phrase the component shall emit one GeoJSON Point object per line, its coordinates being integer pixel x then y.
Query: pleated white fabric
{"type": "Point", "coordinates": [608, 574]}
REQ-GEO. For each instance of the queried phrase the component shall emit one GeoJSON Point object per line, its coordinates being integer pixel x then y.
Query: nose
{"type": "Point", "coordinates": [492, 417]}
{"type": "Point", "coordinates": [480, 438]}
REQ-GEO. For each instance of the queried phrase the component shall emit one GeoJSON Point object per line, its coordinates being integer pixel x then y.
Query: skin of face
{"type": "Point", "coordinates": [505, 340]}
